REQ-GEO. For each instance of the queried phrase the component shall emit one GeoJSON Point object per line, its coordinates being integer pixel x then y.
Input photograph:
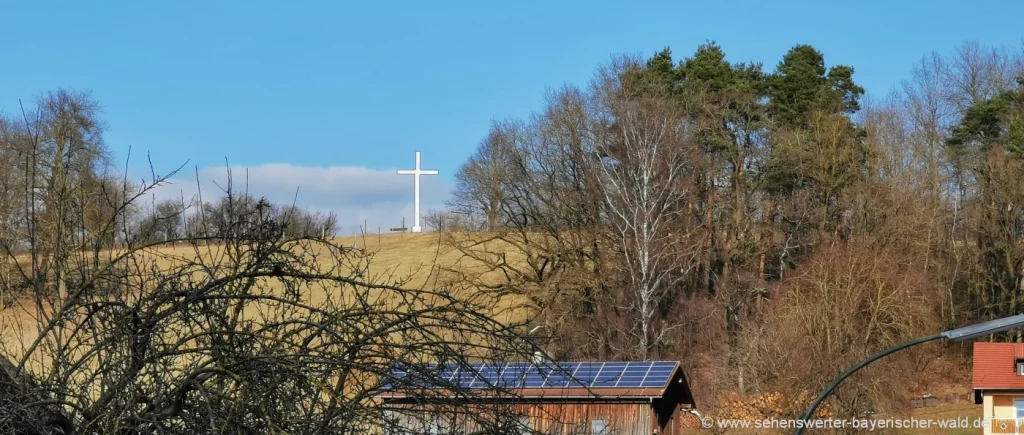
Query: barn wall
{"type": "Point", "coordinates": [668, 409]}
{"type": "Point", "coordinates": [631, 418]}
{"type": "Point", "coordinates": [625, 418]}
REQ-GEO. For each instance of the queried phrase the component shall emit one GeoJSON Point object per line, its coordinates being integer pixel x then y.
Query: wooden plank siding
{"type": "Point", "coordinates": [546, 418]}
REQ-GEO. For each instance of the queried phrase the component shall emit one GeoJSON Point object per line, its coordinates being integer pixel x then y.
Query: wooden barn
{"type": "Point", "coordinates": [628, 398]}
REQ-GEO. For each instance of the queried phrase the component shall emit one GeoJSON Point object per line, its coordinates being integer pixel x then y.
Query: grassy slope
{"type": "Point", "coordinates": [416, 259]}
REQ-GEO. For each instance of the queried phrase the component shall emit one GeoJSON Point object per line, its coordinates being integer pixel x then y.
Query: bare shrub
{"type": "Point", "coordinates": [852, 301]}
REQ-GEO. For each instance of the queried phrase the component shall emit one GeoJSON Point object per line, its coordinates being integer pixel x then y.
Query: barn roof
{"type": "Point", "coordinates": [546, 379]}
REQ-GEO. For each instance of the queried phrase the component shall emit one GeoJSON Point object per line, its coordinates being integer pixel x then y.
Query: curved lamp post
{"type": "Point", "coordinates": [959, 334]}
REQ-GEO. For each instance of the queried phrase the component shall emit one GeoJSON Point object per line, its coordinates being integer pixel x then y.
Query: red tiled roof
{"type": "Point", "coordinates": [995, 365]}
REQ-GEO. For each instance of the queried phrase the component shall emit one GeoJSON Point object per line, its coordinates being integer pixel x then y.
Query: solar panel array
{"type": "Point", "coordinates": [517, 375]}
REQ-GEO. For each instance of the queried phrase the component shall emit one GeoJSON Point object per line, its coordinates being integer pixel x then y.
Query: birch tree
{"type": "Point", "coordinates": [643, 163]}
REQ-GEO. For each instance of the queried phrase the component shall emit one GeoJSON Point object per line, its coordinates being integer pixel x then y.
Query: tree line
{"type": "Point", "coordinates": [55, 158]}
{"type": "Point", "coordinates": [770, 226]}
{"type": "Point", "coordinates": [175, 220]}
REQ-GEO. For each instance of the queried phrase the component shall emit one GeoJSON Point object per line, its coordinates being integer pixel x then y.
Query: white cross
{"type": "Point", "coordinates": [416, 189]}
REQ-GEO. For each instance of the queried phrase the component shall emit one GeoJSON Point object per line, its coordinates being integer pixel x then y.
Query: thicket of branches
{"type": "Point", "coordinates": [699, 209]}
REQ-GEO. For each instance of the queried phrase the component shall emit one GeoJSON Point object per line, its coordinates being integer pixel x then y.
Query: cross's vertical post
{"type": "Point", "coordinates": [416, 190]}
{"type": "Point", "coordinates": [416, 196]}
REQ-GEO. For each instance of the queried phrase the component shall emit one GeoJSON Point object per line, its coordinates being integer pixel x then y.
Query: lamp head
{"type": "Point", "coordinates": [985, 328]}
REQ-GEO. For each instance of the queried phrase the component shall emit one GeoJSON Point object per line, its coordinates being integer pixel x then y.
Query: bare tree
{"type": "Point", "coordinates": [304, 223]}
{"type": "Point", "coordinates": [642, 172]}
{"type": "Point", "coordinates": [975, 73]}
{"type": "Point", "coordinates": [165, 222]}
{"type": "Point", "coordinates": [481, 181]}
{"type": "Point", "coordinates": [450, 221]}
{"type": "Point", "coordinates": [548, 247]}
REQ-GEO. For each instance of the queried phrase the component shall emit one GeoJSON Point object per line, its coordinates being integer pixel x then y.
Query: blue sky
{"type": "Point", "coordinates": [333, 96]}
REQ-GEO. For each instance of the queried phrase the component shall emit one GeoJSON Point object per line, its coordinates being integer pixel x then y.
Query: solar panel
{"type": "Point", "coordinates": [487, 376]}
{"type": "Point", "coordinates": [561, 375]}
{"type": "Point", "coordinates": [517, 375]}
{"type": "Point", "coordinates": [513, 375]}
{"type": "Point", "coordinates": [609, 376]}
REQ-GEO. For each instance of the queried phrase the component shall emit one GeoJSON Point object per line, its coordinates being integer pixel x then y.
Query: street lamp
{"type": "Point", "coordinates": [959, 334]}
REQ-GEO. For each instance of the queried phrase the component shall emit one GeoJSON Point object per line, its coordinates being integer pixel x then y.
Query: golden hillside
{"type": "Point", "coordinates": [415, 260]}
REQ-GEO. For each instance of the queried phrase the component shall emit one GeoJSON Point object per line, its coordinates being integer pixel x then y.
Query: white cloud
{"type": "Point", "coordinates": [381, 197]}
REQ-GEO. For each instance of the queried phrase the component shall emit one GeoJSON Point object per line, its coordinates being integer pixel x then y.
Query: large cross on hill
{"type": "Point", "coordinates": [416, 190]}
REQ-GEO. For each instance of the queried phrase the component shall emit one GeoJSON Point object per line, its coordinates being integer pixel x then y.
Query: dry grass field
{"type": "Point", "coordinates": [417, 261]}
{"type": "Point", "coordinates": [273, 311]}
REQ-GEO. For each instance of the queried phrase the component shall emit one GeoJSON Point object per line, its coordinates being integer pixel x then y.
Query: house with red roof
{"type": "Point", "coordinates": [998, 383]}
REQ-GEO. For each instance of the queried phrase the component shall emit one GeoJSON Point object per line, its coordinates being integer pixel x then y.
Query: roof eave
{"type": "Point", "coordinates": [541, 393]}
